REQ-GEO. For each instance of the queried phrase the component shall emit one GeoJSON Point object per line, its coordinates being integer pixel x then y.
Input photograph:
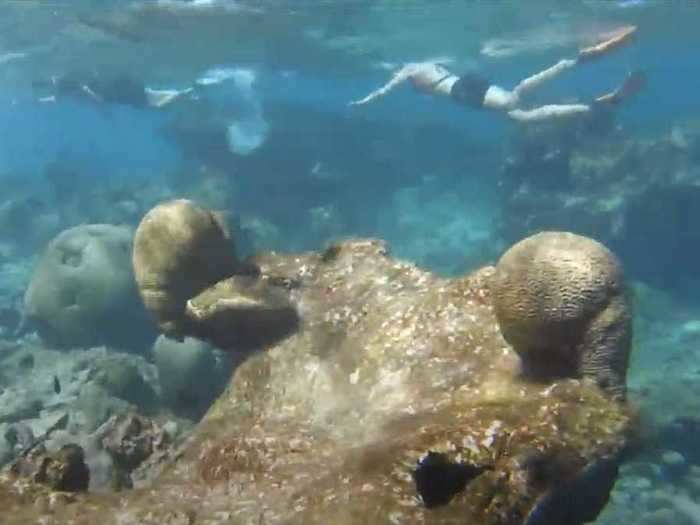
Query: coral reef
{"type": "Point", "coordinates": [26, 224]}
{"type": "Point", "coordinates": [174, 240]}
{"type": "Point", "coordinates": [136, 446]}
{"type": "Point", "coordinates": [561, 302]}
{"type": "Point", "coordinates": [615, 190]}
{"type": "Point", "coordinates": [98, 399]}
{"type": "Point", "coordinates": [181, 365]}
{"type": "Point", "coordinates": [82, 291]}
{"type": "Point", "coordinates": [395, 399]}
{"type": "Point", "coordinates": [81, 388]}
{"type": "Point", "coordinates": [122, 379]}
{"type": "Point", "coordinates": [62, 471]}
{"type": "Point", "coordinates": [430, 225]}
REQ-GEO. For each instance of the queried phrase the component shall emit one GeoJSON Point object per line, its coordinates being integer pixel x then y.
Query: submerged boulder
{"type": "Point", "coordinates": [181, 366]}
{"type": "Point", "coordinates": [83, 293]}
{"type": "Point", "coordinates": [180, 249]}
{"type": "Point", "coordinates": [62, 471]}
{"type": "Point", "coordinates": [395, 399]}
{"type": "Point", "coordinates": [561, 302]}
{"type": "Point", "coordinates": [243, 312]}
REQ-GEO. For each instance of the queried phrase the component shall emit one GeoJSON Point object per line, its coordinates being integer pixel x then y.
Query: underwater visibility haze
{"type": "Point", "coordinates": [349, 262]}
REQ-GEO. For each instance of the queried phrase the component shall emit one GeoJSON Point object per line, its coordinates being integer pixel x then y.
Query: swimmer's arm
{"type": "Point", "coordinates": [399, 78]}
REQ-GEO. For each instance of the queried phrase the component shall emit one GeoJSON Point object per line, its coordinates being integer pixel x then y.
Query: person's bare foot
{"type": "Point", "coordinates": [634, 82]}
{"type": "Point", "coordinates": [610, 41]}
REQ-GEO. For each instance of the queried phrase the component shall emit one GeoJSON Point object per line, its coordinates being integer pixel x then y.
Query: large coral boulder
{"type": "Point", "coordinates": [561, 302]}
{"type": "Point", "coordinates": [395, 400]}
{"type": "Point", "coordinates": [83, 293]}
{"type": "Point", "coordinates": [180, 249]}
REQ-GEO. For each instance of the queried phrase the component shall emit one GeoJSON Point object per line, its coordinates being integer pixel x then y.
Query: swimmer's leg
{"type": "Point", "coordinates": [633, 83]}
{"type": "Point", "coordinates": [540, 78]}
{"type": "Point", "coordinates": [549, 112]}
{"type": "Point", "coordinates": [611, 41]}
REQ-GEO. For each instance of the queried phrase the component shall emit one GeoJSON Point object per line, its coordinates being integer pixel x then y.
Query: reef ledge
{"type": "Point", "coordinates": [393, 399]}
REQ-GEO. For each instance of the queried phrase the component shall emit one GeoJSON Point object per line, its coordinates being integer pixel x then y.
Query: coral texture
{"type": "Point", "coordinates": [179, 250]}
{"type": "Point", "coordinates": [394, 400]}
{"type": "Point", "coordinates": [83, 292]}
{"type": "Point", "coordinates": [561, 302]}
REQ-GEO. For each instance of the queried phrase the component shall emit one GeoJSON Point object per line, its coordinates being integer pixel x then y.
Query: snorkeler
{"type": "Point", "coordinates": [119, 89]}
{"type": "Point", "coordinates": [474, 91]}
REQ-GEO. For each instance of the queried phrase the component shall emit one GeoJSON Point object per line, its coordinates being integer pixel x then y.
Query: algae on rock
{"type": "Point", "coordinates": [394, 399]}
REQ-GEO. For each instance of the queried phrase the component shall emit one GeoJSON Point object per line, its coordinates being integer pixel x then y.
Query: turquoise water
{"type": "Point", "coordinates": [267, 135]}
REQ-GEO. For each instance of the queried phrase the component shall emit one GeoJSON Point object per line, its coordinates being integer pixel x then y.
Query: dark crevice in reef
{"type": "Point", "coordinates": [438, 479]}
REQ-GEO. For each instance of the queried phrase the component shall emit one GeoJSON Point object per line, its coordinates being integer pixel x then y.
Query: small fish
{"type": "Point", "coordinates": [56, 385]}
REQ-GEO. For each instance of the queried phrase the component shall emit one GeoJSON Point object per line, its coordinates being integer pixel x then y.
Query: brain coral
{"type": "Point", "coordinates": [82, 291]}
{"type": "Point", "coordinates": [561, 303]}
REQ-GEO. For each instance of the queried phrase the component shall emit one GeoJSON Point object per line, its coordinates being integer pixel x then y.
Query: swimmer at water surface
{"type": "Point", "coordinates": [477, 92]}
{"type": "Point", "coordinates": [112, 89]}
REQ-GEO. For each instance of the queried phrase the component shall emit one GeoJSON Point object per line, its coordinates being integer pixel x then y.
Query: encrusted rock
{"type": "Point", "coordinates": [132, 441]}
{"type": "Point", "coordinates": [64, 470]}
{"type": "Point", "coordinates": [395, 400]}
{"type": "Point", "coordinates": [242, 313]}
{"type": "Point", "coordinates": [561, 302]}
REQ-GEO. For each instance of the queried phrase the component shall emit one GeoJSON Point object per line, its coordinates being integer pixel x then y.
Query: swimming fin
{"type": "Point", "coordinates": [611, 41]}
{"type": "Point", "coordinates": [634, 82]}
